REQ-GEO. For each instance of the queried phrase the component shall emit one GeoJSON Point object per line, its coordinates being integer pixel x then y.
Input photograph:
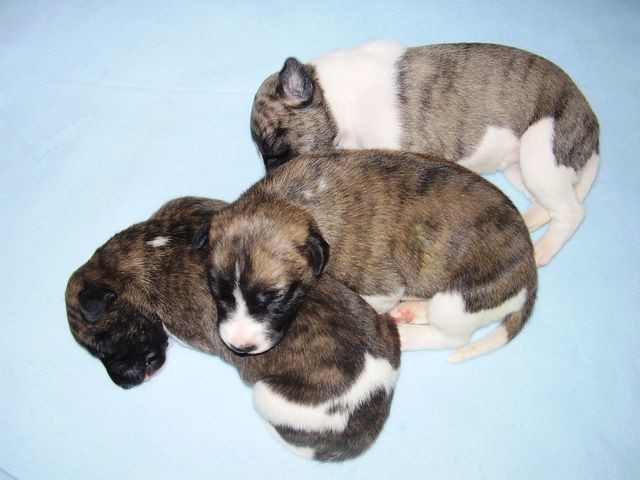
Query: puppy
{"type": "Point", "coordinates": [396, 226]}
{"type": "Point", "coordinates": [325, 390]}
{"type": "Point", "coordinates": [488, 107]}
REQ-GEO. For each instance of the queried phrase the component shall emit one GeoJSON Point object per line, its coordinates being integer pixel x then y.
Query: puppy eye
{"type": "Point", "coordinates": [269, 296]}
{"type": "Point", "coordinates": [219, 287]}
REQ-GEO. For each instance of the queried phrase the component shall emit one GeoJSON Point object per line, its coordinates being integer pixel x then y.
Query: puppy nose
{"type": "Point", "coordinates": [242, 350]}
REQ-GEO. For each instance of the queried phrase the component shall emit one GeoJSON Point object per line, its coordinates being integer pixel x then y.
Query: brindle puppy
{"type": "Point", "coordinates": [488, 107]}
{"type": "Point", "coordinates": [397, 226]}
{"type": "Point", "coordinates": [325, 390]}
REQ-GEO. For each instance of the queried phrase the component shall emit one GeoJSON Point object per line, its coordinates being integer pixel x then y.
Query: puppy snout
{"type": "Point", "coordinates": [245, 336]}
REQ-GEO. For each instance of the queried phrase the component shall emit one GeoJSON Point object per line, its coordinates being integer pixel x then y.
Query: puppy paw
{"type": "Point", "coordinates": [543, 255]}
{"type": "Point", "coordinates": [408, 312]}
{"type": "Point", "coordinates": [536, 217]}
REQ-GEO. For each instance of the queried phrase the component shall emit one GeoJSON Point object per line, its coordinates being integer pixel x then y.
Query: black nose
{"type": "Point", "coordinates": [244, 350]}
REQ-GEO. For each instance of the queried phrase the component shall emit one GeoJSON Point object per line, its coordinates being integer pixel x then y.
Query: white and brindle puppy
{"type": "Point", "coordinates": [397, 226]}
{"type": "Point", "coordinates": [325, 390]}
{"type": "Point", "coordinates": [488, 107]}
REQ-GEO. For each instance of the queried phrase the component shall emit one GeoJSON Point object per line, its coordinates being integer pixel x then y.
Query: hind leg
{"type": "Point", "coordinates": [553, 187]}
{"type": "Point", "coordinates": [536, 216]}
{"type": "Point", "coordinates": [438, 323]}
{"type": "Point", "coordinates": [427, 337]}
{"type": "Point", "coordinates": [450, 324]}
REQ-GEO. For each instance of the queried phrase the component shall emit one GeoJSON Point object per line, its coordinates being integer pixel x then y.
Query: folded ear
{"type": "Point", "coordinates": [94, 301]}
{"type": "Point", "coordinates": [294, 84]}
{"type": "Point", "coordinates": [317, 251]}
{"type": "Point", "coordinates": [201, 237]}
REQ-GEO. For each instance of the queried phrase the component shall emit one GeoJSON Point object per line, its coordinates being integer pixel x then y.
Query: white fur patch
{"type": "Point", "coordinates": [359, 85]}
{"type": "Point", "coordinates": [311, 192]}
{"type": "Point", "coordinates": [306, 452]}
{"type": "Point", "coordinates": [278, 410]}
{"type": "Point", "coordinates": [383, 303]}
{"type": "Point", "coordinates": [587, 176]}
{"type": "Point", "coordinates": [553, 186]}
{"type": "Point", "coordinates": [158, 242]}
{"type": "Point", "coordinates": [496, 151]}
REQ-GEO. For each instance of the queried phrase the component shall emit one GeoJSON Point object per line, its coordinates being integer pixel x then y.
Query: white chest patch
{"type": "Point", "coordinates": [495, 152]}
{"type": "Point", "coordinates": [359, 85]}
{"type": "Point", "coordinates": [333, 414]}
{"type": "Point", "coordinates": [158, 242]}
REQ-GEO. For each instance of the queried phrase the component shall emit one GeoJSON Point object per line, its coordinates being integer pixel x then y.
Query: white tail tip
{"type": "Point", "coordinates": [494, 340]}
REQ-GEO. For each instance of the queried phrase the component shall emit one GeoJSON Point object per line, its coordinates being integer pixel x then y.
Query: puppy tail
{"type": "Point", "coordinates": [501, 335]}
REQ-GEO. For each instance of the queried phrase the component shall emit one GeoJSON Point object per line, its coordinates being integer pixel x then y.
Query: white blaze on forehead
{"type": "Point", "coordinates": [158, 242]}
{"type": "Point", "coordinates": [240, 329]}
{"type": "Point", "coordinates": [332, 415]}
{"type": "Point", "coordinates": [359, 85]}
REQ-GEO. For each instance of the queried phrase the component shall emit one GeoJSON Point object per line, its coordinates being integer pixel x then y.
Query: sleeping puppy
{"type": "Point", "coordinates": [325, 390]}
{"type": "Point", "coordinates": [488, 107]}
{"type": "Point", "coordinates": [391, 226]}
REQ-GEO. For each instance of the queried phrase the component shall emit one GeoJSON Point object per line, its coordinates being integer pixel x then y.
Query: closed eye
{"type": "Point", "coordinates": [266, 297]}
{"type": "Point", "coordinates": [220, 288]}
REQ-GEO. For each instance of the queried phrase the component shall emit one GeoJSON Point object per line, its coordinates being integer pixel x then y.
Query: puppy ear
{"type": "Point", "coordinates": [294, 84]}
{"type": "Point", "coordinates": [317, 251]}
{"type": "Point", "coordinates": [94, 301]}
{"type": "Point", "coordinates": [201, 237]}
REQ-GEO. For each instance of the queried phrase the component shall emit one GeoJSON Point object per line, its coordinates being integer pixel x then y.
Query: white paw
{"type": "Point", "coordinates": [543, 255]}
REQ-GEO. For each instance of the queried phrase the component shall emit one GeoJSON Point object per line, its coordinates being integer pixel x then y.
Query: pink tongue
{"type": "Point", "coordinates": [147, 377]}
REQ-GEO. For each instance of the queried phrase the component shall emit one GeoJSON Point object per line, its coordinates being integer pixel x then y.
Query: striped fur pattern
{"type": "Point", "coordinates": [489, 107]}
{"type": "Point", "coordinates": [391, 226]}
{"type": "Point", "coordinates": [325, 390]}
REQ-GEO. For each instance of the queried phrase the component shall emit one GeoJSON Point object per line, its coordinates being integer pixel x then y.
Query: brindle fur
{"type": "Point", "coordinates": [448, 95]}
{"type": "Point", "coordinates": [165, 287]}
{"type": "Point", "coordinates": [392, 220]}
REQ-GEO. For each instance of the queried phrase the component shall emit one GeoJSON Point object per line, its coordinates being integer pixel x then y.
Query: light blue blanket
{"type": "Point", "coordinates": [107, 109]}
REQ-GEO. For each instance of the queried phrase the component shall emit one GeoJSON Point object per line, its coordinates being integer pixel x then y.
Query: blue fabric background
{"type": "Point", "coordinates": [107, 109]}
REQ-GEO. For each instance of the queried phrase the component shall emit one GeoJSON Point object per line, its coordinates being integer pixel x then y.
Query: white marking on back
{"type": "Point", "coordinates": [359, 85]}
{"type": "Point", "coordinates": [158, 242]}
{"type": "Point", "coordinates": [279, 411]}
{"type": "Point", "coordinates": [496, 151]}
{"type": "Point", "coordinates": [383, 303]}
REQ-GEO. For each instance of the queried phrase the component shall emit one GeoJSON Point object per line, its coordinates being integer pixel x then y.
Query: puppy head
{"type": "Point", "coordinates": [262, 262]}
{"type": "Point", "coordinates": [110, 312]}
{"type": "Point", "coordinates": [289, 115]}
{"type": "Point", "coordinates": [142, 279]}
